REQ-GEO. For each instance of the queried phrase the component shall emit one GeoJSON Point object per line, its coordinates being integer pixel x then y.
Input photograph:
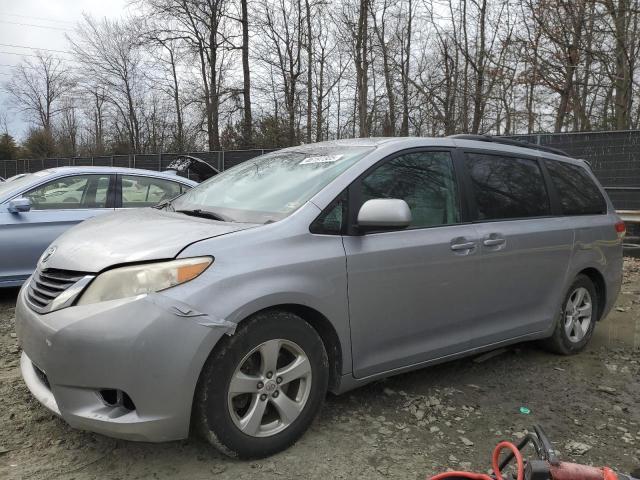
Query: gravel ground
{"type": "Point", "coordinates": [407, 427]}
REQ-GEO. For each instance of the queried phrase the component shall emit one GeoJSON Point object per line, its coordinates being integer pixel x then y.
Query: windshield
{"type": "Point", "coordinates": [16, 184]}
{"type": "Point", "coordinates": [270, 187]}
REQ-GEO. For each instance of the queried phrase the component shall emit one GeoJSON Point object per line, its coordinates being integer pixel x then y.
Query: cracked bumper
{"type": "Point", "coordinates": [146, 346]}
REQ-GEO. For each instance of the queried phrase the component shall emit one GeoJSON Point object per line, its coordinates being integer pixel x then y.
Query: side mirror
{"type": "Point", "coordinates": [384, 214]}
{"type": "Point", "coordinates": [17, 205]}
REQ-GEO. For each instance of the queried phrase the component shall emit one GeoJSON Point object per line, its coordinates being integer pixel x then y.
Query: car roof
{"type": "Point", "coordinates": [42, 176]}
{"type": "Point", "coordinates": [445, 142]}
{"type": "Point", "coordinates": [58, 171]}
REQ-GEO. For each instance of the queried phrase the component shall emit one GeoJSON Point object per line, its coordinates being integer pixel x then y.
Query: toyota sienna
{"type": "Point", "coordinates": [234, 308]}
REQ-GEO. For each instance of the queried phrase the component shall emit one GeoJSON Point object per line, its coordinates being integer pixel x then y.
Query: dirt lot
{"type": "Point", "coordinates": [406, 427]}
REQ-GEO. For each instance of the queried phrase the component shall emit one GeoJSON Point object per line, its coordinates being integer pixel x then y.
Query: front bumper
{"type": "Point", "coordinates": [151, 347]}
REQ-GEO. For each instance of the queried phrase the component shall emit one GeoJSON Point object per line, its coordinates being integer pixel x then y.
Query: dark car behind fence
{"type": "Point", "coordinates": [614, 157]}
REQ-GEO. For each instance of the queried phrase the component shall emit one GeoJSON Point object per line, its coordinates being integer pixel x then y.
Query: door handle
{"type": "Point", "coordinates": [462, 246]}
{"type": "Point", "coordinates": [493, 242]}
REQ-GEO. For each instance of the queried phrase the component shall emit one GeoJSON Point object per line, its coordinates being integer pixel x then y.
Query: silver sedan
{"type": "Point", "coordinates": [38, 207]}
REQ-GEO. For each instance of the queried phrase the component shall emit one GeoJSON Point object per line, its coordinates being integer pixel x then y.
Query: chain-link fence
{"type": "Point", "coordinates": [614, 157]}
{"type": "Point", "coordinates": [221, 160]}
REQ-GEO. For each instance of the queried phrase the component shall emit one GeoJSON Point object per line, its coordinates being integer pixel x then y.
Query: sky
{"type": "Point", "coordinates": [26, 25]}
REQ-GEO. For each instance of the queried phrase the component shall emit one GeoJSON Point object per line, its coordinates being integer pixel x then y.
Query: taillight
{"type": "Point", "coordinates": [621, 229]}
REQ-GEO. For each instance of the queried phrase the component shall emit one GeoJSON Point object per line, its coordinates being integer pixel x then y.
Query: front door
{"type": "Point", "coordinates": [411, 291]}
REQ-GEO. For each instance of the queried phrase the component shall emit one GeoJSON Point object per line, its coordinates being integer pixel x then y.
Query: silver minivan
{"type": "Point", "coordinates": [235, 307]}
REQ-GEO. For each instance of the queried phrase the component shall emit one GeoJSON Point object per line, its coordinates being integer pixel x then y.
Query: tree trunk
{"type": "Point", "coordinates": [309, 70]}
{"type": "Point", "coordinates": [215, 94]}
{"type": "Point", "coordinates": [478, 93]}
{"type": "Point", "coordinates": [176, 100]}
{"type": "Point", "coordinates": [390, 124]}
{"type": "Point", "coordinates": [247, 124]}
{"type": "Point", "coordinates": [362, 68]}
{"type": "Point", "coordinates": [320, 98]}
{"type": "Point", "coordinates": [404, 129]}
{"type": "Point", "coordinates": [623, 80]}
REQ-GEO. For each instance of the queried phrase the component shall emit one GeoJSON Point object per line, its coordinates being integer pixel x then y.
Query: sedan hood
{"type": "Point", "coordinates": [131, 236]}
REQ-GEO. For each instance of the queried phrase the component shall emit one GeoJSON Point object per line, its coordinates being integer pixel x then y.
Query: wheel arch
{"type": "Point", "coordinates": [318, 321]}
{"type": "Point", "coordinates": [598, 281]}
{"type": "Point", "coordinates": [325, 329]}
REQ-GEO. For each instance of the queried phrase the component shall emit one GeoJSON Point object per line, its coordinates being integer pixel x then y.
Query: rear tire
{"type": "Point", "coordinates": [262, 387]}
{"type": "Point", "coordinates": [576, 319]}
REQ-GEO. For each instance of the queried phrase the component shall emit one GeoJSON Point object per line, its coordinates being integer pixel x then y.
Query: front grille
{"type": "Point", "coordinates": [47, 285]}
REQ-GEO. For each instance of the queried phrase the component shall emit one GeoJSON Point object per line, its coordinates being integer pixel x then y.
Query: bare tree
{"type": "Point", "coordinates": [169, 47]}
{"type": "Point", "coordinates": [204, 27]}
{"type": "Point", "coordinates": [283, 30]}
{"type": "Point", "coordinates": [218, 74]}
{"type": "Point", "coordinates": [624, 21]}
{"type": "Point", "coordinates": [109, 52]}
{"type": "Point", "coordinates": [38, 88]}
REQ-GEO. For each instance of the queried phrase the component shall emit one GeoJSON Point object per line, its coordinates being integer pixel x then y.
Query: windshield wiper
{"type": "Point", "coordinates": [197, 212]}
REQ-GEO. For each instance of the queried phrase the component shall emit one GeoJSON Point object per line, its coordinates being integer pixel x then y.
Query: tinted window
{"type": "Point", "coordinates": [147, 191]}
{"type": "Point", "coordinates": [578, 194]}
{"type": "Point", "coordinates": [425, 180]}
{"type": "Point", "coordinates": [76, 191]}
{"type": "Point", "coordinates": [506, 187]}
{"type": "Point", "coordinates": [330, 221]}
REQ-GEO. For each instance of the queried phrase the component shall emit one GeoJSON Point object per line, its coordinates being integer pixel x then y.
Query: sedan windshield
{"type": "Point", "coordinates": [25, 181]}
{"type": "Point", "coordinates": [270, 187]}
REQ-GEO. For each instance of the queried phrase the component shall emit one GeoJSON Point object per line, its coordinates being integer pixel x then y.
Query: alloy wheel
{"type": "Point", "coordinates": [269, 388]}
{"type": "Point", "coordinates": [578, 313]}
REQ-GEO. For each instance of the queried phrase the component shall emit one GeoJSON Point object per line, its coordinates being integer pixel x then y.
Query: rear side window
{"type": "Point", "coordinates": [507, 187]}
{"type": "Point", "coordinates": [138, 191]}
{"type": "Point", "coordinates": [577, 191]}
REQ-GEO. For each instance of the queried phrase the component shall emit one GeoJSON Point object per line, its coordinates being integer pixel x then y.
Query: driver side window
{"type": "Point", "coordinates": [75, 191]}
{"type": "Point", "coordinates": [425, 180]}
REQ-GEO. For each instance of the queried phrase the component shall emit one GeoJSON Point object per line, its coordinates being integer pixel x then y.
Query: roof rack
{"type": "Point", "coordinates": [509, 141]}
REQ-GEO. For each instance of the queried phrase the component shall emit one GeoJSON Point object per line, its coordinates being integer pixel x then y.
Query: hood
{"type": "Point", "coordinates": [131, 236]}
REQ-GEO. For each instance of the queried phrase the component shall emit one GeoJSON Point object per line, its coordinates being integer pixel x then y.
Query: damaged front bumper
{"type": "Point", "coordinates": [125, 368]}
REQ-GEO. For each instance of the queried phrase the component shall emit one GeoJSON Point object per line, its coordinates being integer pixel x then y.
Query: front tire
{"type": "Point", "coordinates": [577, 318]}
{"type": "Point", "coordinates": [262, 387]}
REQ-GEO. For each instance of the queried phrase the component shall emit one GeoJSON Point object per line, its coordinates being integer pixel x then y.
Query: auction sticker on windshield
{"type": "Point", "coordinates": [321, 159]}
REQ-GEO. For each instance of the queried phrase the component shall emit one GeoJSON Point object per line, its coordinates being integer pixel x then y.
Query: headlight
{"type": "Point", "coordinates": [144, 278]}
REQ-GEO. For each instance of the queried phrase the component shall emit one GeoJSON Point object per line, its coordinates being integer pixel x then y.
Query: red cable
{"type": "Point", "coordinates": [495, 460]}
{"type": "Point", "coordinates": [470, 475]}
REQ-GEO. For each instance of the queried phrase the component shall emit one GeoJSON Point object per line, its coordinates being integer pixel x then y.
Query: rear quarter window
{"type": "Point", "coordinates": [578, 193]}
